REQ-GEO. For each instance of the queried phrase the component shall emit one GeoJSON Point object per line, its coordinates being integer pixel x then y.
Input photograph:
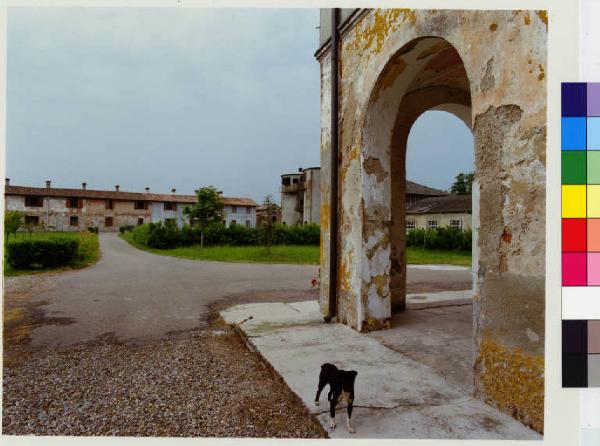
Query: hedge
{"type": "Point", "coordinates": [29, 254]}
{"type": "Point", "coordinates": [440, 238]}
{"type": "Point", "coordinates": [167, 235]}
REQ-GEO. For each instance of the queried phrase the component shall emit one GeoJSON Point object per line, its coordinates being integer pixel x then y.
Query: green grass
{"type": "Point", "coordinates": [248, 254]}
{"type": "Point", "coordinates": [89, 250]}
{"type": "Point", "coordinates": [291, 254]}
{"type": "Point", "coordinates": [420, 256]}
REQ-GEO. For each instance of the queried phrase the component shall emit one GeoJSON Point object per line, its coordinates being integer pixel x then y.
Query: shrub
{"type": "Point", "coordinates": [28, 254]}
{"type": "Point", "coordinates": [88, 248]}
{"type": "Point", "coordinates": [309, 234]}
{"type": "Point", "coordinates": [168, 235]}
{"type": "Point", "coordinates": [448, 238]}
{"type": "Point", "coordinates": [127, 228]}
{"type": "Point", "coordinates": [93, 229]}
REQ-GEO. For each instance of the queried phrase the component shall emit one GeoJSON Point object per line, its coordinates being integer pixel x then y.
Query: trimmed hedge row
{"type": "Point", "coordinates": [29, 254]}
{"type": "Point", "coordinates": [167, 235]}
{"type": "Point", "coordinates": [440, 238]}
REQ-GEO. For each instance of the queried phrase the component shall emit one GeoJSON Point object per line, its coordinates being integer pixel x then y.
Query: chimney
{"type": "Point", "coordinates": [117, 188]}
{"type": "Point", "coordinates": [147, 189]}
{"type": "Point", "coordinates": [299, 169]}
{"type": "Point", "coordinates": [84, 186]}
{"type": "Point", "coordinates": [173, 191]}
{"type": "Point", "coordinates": [48, 184]}
{"type": "Point", "coordinates": [7, 181]}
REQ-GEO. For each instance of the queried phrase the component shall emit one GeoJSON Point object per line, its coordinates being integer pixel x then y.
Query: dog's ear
{"type": "Point", "coordinates": [353, 373]}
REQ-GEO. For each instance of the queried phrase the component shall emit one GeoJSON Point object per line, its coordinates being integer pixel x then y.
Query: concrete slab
{"type": "Point", "coordinates": [440, 267]}
{"type": "Point", "coordinates": [396, 396]}
{"type": "Point", "coordinates": [439, 299]}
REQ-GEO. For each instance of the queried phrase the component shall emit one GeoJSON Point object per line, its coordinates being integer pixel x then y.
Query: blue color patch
{"type": "Point", "coordinates": [573, 133]}
{"type": "Point", "coordinates": [593, 133]}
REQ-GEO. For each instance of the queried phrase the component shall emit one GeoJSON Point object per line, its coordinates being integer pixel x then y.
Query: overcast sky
{"type": "Point", "coordinates": [180, 98]}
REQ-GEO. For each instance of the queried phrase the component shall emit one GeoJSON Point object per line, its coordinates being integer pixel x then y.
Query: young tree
{"type": "Point", "coordinates": [463, 184]}
{"type": "Point", "coordinates": [270, 209]}
{"type": "Point", "coordinates": [13, 220]}
{"type": "Point", "coordinates": [208, 209]}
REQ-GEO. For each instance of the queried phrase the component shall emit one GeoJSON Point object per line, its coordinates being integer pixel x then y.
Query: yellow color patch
{"type": "Point", "coordinates": [574, 201]}
{"type": "Point", "coordinates": [593, 201]}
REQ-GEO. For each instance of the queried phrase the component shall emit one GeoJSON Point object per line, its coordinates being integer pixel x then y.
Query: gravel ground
{"type": "Point", "coordinates": [205, 383]}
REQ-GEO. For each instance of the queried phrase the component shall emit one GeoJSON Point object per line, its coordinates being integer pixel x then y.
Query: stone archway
{"type": "Point", "coordinates": [487, 67]}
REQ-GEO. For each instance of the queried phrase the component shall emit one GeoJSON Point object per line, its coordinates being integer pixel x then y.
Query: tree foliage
{"type": "Point", "coordinates": [270, 210]}
{"type": "Point", "coordinates": [13, 220]}
{"type": "Point", "coordinates": [208, 209]}
{"type": "Point", "coordinates": [463, 184]}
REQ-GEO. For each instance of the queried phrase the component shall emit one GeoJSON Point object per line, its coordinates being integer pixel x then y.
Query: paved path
{"type": "Point", "coordinates": [396, 396]}
{"type": "Point", "coordinates": [131, 294]}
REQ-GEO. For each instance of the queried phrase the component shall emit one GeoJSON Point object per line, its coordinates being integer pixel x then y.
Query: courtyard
{"type": "Point", "coordinates": [133, 345]}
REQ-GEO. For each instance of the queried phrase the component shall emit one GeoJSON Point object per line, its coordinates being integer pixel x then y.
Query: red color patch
{"type": "Point", "coordinates": [574, 231]}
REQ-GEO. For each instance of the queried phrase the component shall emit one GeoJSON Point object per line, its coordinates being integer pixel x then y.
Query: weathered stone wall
{"type": "Point", "coordinates": [488, 68]}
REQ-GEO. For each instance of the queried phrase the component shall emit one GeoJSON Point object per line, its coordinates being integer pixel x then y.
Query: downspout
{"type": "Point", "coordinates": [333, 227]}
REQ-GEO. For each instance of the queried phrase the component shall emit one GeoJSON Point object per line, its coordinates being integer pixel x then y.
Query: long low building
{"type": "Point", "coordinates": [63, 209]}
{"type": "Point", "coordinates": [434, 212]}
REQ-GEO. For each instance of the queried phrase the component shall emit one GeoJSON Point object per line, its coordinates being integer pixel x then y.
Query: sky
{"type": "Point", "coordinates": [173, 98]}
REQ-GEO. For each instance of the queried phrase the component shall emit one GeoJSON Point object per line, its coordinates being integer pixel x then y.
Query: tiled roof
{"type": "Point", "coordinates": [419, 189]}
{"type": "Point", "coordinates": [441, 205]}
{"type": "Point", "coordinates": [114, 195]}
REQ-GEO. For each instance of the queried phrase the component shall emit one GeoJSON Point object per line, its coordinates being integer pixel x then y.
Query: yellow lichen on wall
{"type": "Point", "coordinates": [384, 22]}
{"type": "Point", "coordinates": [512, 380]}
{"type": "Point", "coordinates": [543, 15]}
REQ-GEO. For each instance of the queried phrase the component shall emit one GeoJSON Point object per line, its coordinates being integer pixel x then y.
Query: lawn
{"type": "Point", "coordinates": [89, 250]}
{"type": "Point", "coordinates": [290, 254]}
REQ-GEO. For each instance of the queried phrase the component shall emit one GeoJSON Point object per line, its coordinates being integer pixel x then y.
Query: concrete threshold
{"type": "Point", "coordinates": [438, 299]}
{"type": "Point", "coordinates": [396, 397]}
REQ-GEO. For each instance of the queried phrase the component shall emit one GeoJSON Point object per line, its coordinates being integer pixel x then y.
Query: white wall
{"type": "Point", "coordinates": [241, 216]}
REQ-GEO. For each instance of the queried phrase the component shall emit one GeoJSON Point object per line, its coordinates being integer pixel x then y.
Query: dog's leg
{"type": "Point", "coordinates": [322, 384]}
{"type": "Point", "coordinates": [332, 403]}
{"type": "Point", "coordinates": [349, 409]}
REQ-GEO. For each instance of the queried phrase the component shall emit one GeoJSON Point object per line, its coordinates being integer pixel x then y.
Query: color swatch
{"type": "Point", "coordinates": [580, 205]}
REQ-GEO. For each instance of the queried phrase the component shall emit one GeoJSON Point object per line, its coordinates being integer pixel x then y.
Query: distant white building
{"type": "Point", "coordinates": [301, 196]}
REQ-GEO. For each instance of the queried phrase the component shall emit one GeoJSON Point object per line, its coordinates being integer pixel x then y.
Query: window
{"type": "Point", "coordinates": [248, 223]}
{"type": "Point", "coordinates": [34, 202]}
{"type": "Point", "coordinates": [74, 220]}
{"type": "Point", "coordinates": [234, 209]}
{"type": "Point", "coordinates": [170, 206]}
{"type": "Point", "coordinates": [32, 220]}
{"type": "Point", "coordinates": [431, 224]}
{"type": "Point", "coordinates": [140, 221]}
{"type": "Point", "coordinates": [108, 222]}
{"type": "Point", "coordinates": [140, 205]}
{"type": "Point", "coordinates": [248, 209]}
{"type": "Point", "coordinates": [108, 204]}
{"type": "Point", "coordinates": [456, 224]}
{"type": "Point", "coordinates": [73, 203]}
{"type": "Point", "coordinates": [285, 181]}
{"type": "Point", "coordinates": [233, 222]}
{"type": "Point", "coordinates": [410, 224]}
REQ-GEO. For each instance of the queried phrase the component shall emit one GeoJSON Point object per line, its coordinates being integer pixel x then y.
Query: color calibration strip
{"type": "Point", "coordinates": [580, 157]}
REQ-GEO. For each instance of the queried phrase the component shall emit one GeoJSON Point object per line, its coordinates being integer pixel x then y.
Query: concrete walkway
{"type": "Point", "coordinates": [396, 397]}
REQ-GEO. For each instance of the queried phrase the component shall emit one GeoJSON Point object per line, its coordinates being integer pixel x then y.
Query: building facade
{"type": "Point", "coordinates": [301, 196]}
{"type": "Point", "coordinates": [436, 212]}
{"type": "Point", "coordinates": [60, 209]}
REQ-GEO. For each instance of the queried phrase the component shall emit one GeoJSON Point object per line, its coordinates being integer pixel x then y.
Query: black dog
{"type": "Point", "coordinates": [341, 383]}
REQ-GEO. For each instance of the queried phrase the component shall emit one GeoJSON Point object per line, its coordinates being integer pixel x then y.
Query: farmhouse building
{"type": "Point", "coordinates": [61, 209]}
{"type": "Point", "coordinates": [436, 212]}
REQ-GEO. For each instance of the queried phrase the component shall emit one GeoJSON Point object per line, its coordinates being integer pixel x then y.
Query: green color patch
{"type": "Point", "coordinates": [593, 167]}
{"type": "Point", "coordinates": [573, 167]}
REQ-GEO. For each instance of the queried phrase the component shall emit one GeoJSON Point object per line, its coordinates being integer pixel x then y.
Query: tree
{"type": "Point", "coordinates": [463, 184]}
{"type": "Point", "coordinates": [208, 209]}
{"type": "Point", "coordinates": [270, 209]}
{"type": "Point", "coordinates": [13, 220]}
